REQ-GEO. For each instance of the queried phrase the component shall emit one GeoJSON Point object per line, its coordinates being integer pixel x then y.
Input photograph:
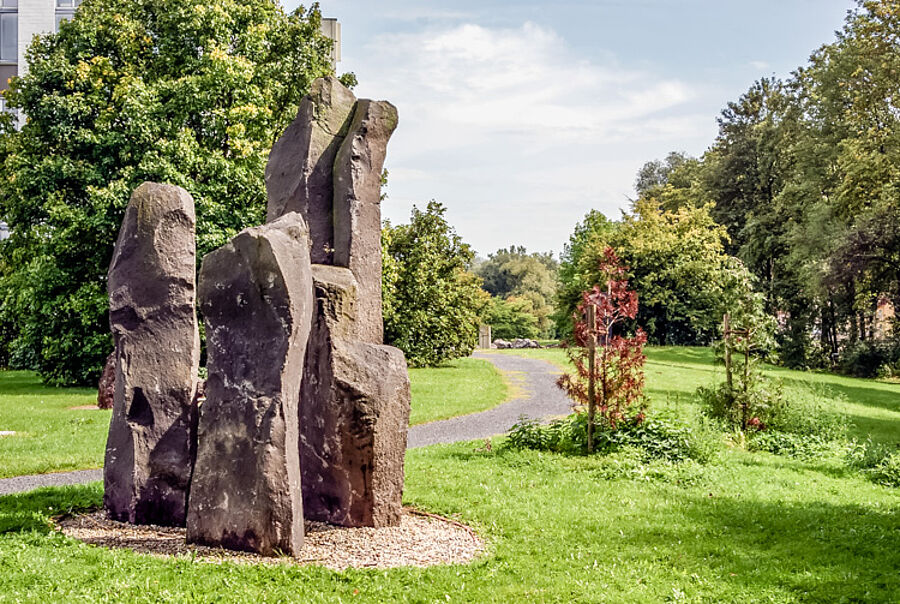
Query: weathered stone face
{"type": "Point", "coordinates": [256, 295]}
{"type": "Point", "coordinates": [299, 172]}
{"type": "Point", "coordinates": [106, 388]}
{"type": "Point", "coordinates": [357, 209]}
{"type": "Point", "coordinates": [354, 413]}
{"type": "Point", "coordinates": [149, 452]}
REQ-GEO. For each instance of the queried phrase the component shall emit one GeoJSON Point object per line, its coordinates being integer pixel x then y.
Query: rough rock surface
{"type": "Point", "coordinates": [149, 451]}
{"type": "Point", "coordinates": [256, 295]}
{"type": "Point", "coordinates": [299, 172]}
{"type": "Point", "coordinates": [357, 209]}
{"type": "Point", "coordinates": [106, 389]}
{"type": "Point", "coordinates": [354, 413]}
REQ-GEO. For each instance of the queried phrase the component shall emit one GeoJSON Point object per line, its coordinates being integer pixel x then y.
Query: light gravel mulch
{"type": "Point", "coordinates": [421, 540]}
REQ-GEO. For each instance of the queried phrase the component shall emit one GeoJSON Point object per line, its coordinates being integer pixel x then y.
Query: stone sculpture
{"type": "Point", "coordinates": [299, 173]}
{"type": "Point", "coordinates": [353, 415]}
{"type": "Point", "coordinates": [256, 298]}
{"type": "Point", "coordinates": [355, 399]}
{"type": "Point", "coordinates": [149, 452]}
{"type": "Point", "coordinates": [306, 410]}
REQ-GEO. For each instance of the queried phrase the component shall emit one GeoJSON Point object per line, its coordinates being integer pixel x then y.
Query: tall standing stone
{"type": "Point", "coordinates": [149, 451]}
{"type": "Point", "coordinates": [357, 209]}
{"type": "Point", "coordinates": [354, 413]}
{"type": "Point", "coordinates": [256, 295]}
{"type": "Point", "coordinates": [299, 171]}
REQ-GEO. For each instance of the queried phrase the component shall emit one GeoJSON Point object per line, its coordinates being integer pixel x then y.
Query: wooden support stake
{"type": "Point", "coordinates": [726, 336]}
{"type": "Point", "coordinates": [592, 363]}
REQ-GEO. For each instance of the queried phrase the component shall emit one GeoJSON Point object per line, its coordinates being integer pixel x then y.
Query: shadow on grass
{"type": "Point", "coordinates": [817, 549]}
{"type": "Point", "coordinates": [16, 383]}
{"type": "Point", "coordinates": [30, 511]}
{"type": "Point", "coordinates": [878, 394]}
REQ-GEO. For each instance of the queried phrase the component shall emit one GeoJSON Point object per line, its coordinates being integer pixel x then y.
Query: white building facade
{"type": "Point", "coordinates": [20, 21]}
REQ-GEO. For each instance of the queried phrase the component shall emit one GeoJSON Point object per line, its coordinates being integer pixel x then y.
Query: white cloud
{"type": "Point", "coordinates": [516, 133]}
{"type": "Point", "coordinates": [759, 65]}
{"type": "Point", "coordinates": [520, 81]}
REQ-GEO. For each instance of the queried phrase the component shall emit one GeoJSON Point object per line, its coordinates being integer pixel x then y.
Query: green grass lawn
{"type": "Point", "coordinates": [50, 435]}
{"type": "Point", "coordinates": [53, 437]}
{"type": "Point", "coordinates": [750, 527]}
{"type": "Point", "coordinates": [462, 386]}
{"type": "Point", "coordinates": [674, 373]}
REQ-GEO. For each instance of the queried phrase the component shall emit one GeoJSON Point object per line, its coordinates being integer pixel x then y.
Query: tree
{"type": "Point", "coordinates": [511, 318]}
{"type": "Point", "coordinates": [514, 273]}
{"type": "Point", "coordinates": [611, 382]}
{"type": "Point", "coordinates": [188, 92]}
{"type": "Point", "coordinates": [432, 302]}
{"type": "Point", "coordinates": [678, 267]}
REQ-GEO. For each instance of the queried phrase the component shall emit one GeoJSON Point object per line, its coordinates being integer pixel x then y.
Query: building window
{"type": "Point", "coordinates": [65, 10]}
{"type": "Point", "coordinates": [9, 4]}
{"type": "Point", "coordinates": [9, 37]}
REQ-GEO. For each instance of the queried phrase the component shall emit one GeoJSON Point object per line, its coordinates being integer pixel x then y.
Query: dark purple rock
{"type": "Point", "coordinates": [256, 295]}
{"type": "Point", "coordinates": [149, 452]}
{"type": "Point", "coordinates": [299, 171]}
{"type": "Point", "coordinates": [357, 209]}
{"type": "Point", "coordinates": [354, 413]}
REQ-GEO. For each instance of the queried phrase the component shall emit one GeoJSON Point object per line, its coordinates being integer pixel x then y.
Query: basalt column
{"type": "Point", "coordinates": [256, 295]}
{"type": "Point", "coordinates": [357, 209]}
{"type": "Point", "coordinates": [151, 284]}
{"type": "Point", "coordinates": [299, 172]}
{"type": "Point", "coordinates": [354, 415]}
{"type": "Point", "coordinates": [354, 404]}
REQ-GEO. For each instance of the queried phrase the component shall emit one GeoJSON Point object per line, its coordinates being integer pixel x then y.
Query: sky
{"type": "Point", "coordinates": [521, 116]}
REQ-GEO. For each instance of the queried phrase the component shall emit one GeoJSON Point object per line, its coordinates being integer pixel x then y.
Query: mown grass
{"type": "Point", "coordinates": [752, 528]}
{"type": "Point", "coordinates": [460, 387]}
{"type": "Point", "coordinates": [50, 435]}
{"type": "Point", "coordinates": [53, 437]}
{"type": "Point", "coordinates": [674, 373]}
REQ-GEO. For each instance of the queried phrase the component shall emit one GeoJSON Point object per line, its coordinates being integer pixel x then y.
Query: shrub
{"type": "Point", "coordinates": [880, 463]}
{"type": "Point", "coordinates": [871, 359]}
{"type": "Point", "coordinates": [657, 439]}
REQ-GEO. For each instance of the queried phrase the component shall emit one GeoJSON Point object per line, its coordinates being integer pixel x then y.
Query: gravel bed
{"type": "Point", "coordinates": [421, 540]}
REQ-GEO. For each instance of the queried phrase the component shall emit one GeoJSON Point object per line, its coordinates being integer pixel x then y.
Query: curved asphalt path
{"type": "Point", "coordinates": [538, 398]}
{"type": "Point", "coordinates": [536, 395]}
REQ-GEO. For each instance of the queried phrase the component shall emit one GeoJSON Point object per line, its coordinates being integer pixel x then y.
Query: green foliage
{"type": "Point", "coordinates": [804, 176]}
{"type": "Point", "coordinates": [515, 274]}
{"type": "Point", "coordinates": [678, 265]}
{"type": "Point", "coordinates": [661, 438]}
{"type": "Point", "coordinates": [189, 92]}
{"type": "Point", "coordinates": [870, 359]}
{"type": "Point", "coordinates": [879, 463]}
{"type": "Point", "coordinates": [511, 318]}
{"type": "Point", "coordinates": [432, 302]}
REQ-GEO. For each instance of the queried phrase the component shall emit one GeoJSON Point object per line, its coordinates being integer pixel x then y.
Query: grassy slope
{"type": "Point", "coordinates": [52, 437]}
{"type": "Point", "coordinates": [462, 386]}
{"type": "Point", "coordinates": [674, 373]}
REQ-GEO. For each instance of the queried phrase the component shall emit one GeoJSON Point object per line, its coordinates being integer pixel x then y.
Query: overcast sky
{"type": "Point", "coordinates": [520, 116]}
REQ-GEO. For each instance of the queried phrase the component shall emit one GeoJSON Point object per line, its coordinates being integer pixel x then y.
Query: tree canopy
{"type": "Point", "coordinates": [432, 300]}
{"type": "Point", "coordinates": [188, 92]}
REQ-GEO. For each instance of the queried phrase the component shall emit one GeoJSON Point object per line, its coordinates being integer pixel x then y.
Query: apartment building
{"type": "Point", "coordinates": [20, 21]}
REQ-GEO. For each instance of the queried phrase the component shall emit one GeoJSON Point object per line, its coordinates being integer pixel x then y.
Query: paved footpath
{"type": "Point", "coordinates": [536, 396]}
